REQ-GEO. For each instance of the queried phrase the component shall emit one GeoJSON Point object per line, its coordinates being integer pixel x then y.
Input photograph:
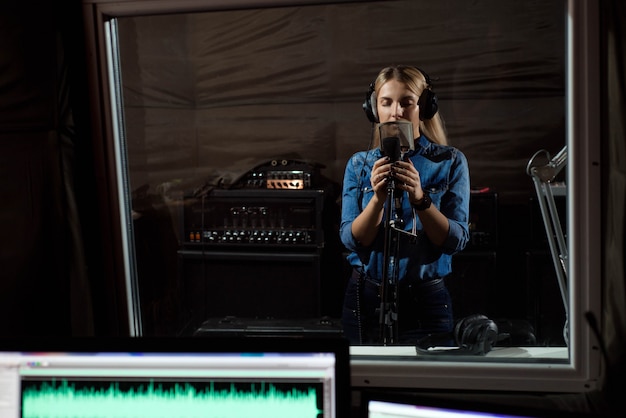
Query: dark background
{"type": "Point", "coordinates": [209, 96]}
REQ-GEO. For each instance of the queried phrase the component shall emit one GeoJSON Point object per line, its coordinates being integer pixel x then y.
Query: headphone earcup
{"type": "Point", "coordinates": [428, 104]}
{"type": "Point", "coordinates": [459, 329]}
{"type": "Point", "coordinates": [369, 105]}
{"type": "Point", "coordinates": [487, 337]}
{"type": "Point", "coordinates": [476, 333]}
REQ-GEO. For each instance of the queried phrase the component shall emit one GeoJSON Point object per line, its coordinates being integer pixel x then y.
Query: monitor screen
{"type": "Point", "coordinates": [396, 405]}
{"type": "Point", "coordinates": [201, 377]}
{"type": "Point", "coordinates": [387, 409]}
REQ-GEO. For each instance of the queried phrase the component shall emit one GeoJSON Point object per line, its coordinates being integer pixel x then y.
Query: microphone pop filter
{"type": "Point", "coordinates": [399, 134]}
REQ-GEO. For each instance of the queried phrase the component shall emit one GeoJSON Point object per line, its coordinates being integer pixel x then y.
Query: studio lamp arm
{"type": "Point", "coordinates": [543, 175]}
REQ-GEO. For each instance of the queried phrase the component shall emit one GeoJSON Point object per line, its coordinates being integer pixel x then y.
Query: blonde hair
{"type": "Point", "coordinates": [416, 82]}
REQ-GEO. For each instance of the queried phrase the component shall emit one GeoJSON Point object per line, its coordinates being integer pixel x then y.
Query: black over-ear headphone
{"type": "Point", "coordinates": [474, 335]}
{"type": "Point", "coordinates": [427, 102]}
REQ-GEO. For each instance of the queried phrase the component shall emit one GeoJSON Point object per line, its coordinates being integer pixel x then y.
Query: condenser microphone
{"type": "Point", "coordinates": [397, 133]}
{"type": "Point", "coordinates": [391, 148]}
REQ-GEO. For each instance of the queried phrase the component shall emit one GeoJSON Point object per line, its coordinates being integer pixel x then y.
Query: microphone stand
{"type": "Point", "coordinates": [389, 285]}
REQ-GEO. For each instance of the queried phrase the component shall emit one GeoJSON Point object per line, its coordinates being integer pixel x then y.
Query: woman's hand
{"type": "Point", "coordinates": [381, 172]}
{"type": "Point", "coordinates": [408, 178]}
{"type": "Point", "coordinates": [435, 224]}
{"type": "Point", "coordinates": [365, 226]}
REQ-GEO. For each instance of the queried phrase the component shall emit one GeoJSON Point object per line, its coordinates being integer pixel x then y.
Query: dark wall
{"type": "Point", "coordinates": [48, 270]}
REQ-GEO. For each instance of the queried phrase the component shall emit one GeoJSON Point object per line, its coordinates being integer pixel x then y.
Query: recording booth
{"type": "Point", "coordinates": [182, 377]}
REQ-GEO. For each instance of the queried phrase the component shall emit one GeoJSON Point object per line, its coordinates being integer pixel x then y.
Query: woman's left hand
{"type": "Point", "coordinates": [408, 178]}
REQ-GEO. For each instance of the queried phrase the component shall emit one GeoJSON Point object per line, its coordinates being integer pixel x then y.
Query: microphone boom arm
{"type": "Point", "coordinates": [543, 176]}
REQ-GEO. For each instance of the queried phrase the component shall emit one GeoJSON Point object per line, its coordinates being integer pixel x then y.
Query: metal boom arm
{"type": "Point", "coordinates": [543, 177]}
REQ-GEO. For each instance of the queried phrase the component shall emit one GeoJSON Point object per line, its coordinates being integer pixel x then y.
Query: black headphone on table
{"type": "Point", "coordinates": [474, 335]}
{"type": "Point", "coordinates": [427, 102]}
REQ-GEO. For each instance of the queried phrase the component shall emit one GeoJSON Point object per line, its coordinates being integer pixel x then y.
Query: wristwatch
{"type": "Point", "coordinates": [424, 203]}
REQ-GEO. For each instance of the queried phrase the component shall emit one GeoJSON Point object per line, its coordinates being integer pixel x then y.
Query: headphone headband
{"type": "Point", "coordinates": [428, 101]}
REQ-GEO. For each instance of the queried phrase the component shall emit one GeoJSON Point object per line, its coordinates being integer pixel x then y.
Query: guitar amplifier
{"type": "Point", "coordinates": [254, 218]}
{"type": "Point", "coordinates": [281, 174]}
{"type": "Point", "coordinates": [253, 253]}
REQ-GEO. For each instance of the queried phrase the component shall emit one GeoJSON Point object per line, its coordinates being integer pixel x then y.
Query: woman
{"type": "Point", "coordinates": [431, 191]}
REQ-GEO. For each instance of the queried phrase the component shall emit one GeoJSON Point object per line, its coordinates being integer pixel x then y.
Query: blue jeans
{"type": "Point", "coordinates": [424, 308]}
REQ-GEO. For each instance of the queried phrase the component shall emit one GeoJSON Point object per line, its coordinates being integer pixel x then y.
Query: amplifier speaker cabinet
{"type": "Point", "coordinates": [253, 253]}
{"type": "Point", "coordinates": [472, 282]}
{"type": "Point", "coordinates": [483, 221]}
{"type": "Point", "coordinates": [251, 284]}
{"type": "Point", "coordinates": [545, 304]}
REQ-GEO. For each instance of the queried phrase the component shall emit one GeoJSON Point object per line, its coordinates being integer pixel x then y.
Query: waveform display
{"type": "Point", "coordinates": [137, 399]}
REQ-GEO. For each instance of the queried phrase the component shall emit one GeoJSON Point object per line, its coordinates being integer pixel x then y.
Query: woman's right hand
{"type": "Point", "coordinates": [381, 172]}
{"type": "Point", "coordinates": [365, 226]}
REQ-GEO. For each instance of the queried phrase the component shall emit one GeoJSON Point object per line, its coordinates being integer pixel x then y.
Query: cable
{"type": "Point", "coordinates": [359, 287]}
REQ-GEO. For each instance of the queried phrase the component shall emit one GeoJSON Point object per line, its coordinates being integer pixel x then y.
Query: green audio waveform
{"type": "Point", "coordinates": [167, 399]}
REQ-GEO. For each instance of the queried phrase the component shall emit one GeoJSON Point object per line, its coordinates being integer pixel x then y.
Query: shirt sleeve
{"type": "Point", "coordinates": [352, 189]}
{"type": "Point", "coordinates": [455, 205]}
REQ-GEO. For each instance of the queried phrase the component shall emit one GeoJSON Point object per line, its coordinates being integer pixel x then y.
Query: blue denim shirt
{"type": "Point", "coordinates": [444, 174]}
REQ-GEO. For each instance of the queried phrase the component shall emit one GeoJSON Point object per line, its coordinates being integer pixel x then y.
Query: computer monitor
{"type": "Point", "coordinates": [389, 409]}
{"type": "Point", "coordinates": [181, 377]}
{"type": "Point", "coordinates": [404, 405]}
